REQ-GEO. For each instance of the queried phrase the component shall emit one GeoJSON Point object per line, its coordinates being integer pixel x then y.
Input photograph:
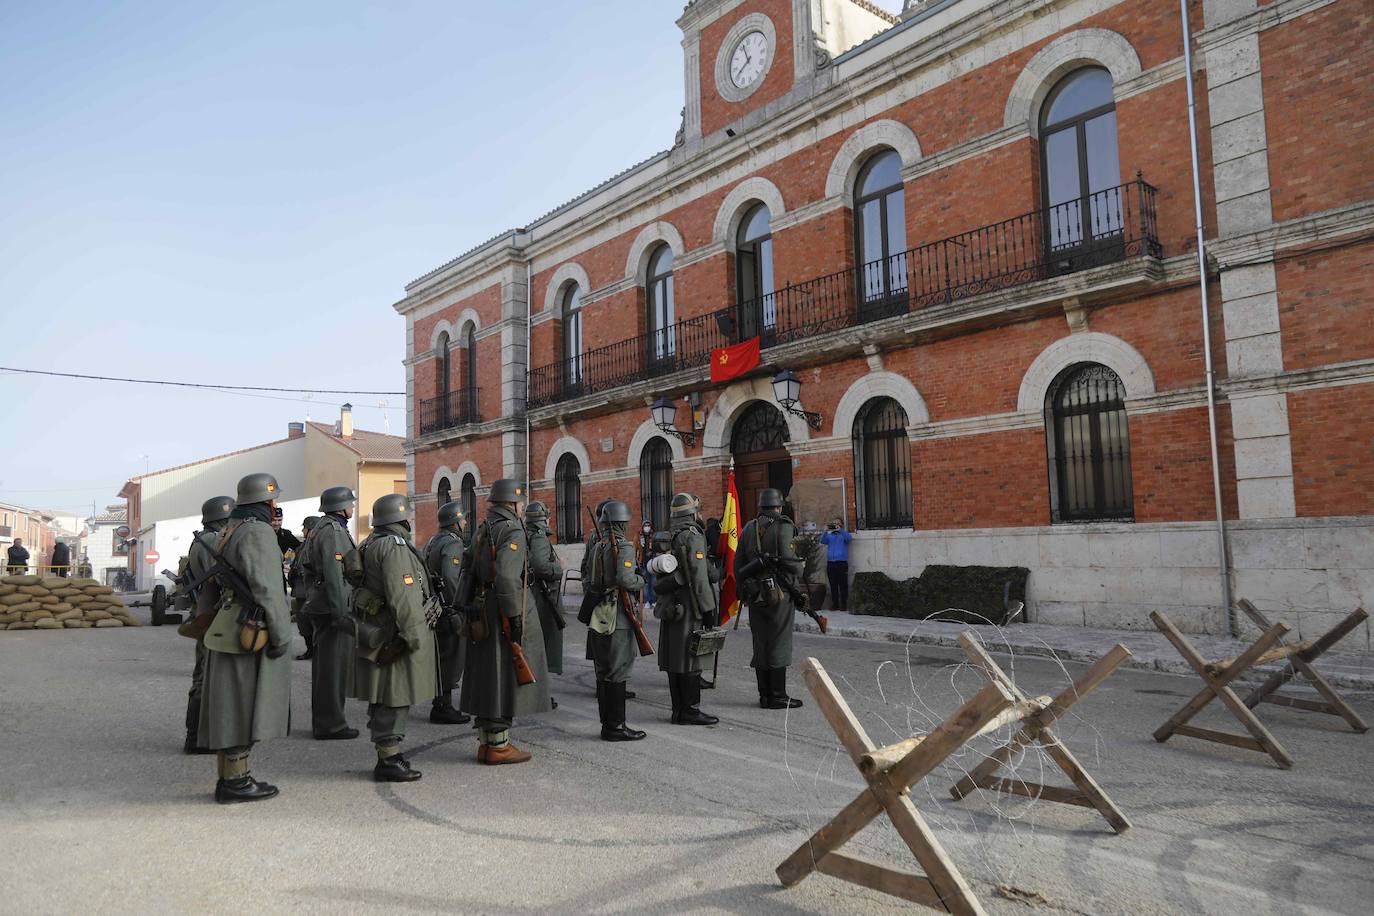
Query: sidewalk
{"type": "Point", "coordinates": [1149, 650]}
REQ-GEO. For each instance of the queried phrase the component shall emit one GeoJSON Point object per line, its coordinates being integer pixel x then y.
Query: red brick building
{"type": "Point", "coordinates": [970, 232]}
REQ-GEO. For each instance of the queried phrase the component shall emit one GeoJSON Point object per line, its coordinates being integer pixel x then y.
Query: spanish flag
{"type": "Point", "coordinates": [731, 362]}
{"type": "Point", "coordinates": [729, 540]}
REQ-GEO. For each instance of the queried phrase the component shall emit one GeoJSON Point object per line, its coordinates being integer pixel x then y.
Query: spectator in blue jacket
{"type": "Point", "coordinates": [836, 541]}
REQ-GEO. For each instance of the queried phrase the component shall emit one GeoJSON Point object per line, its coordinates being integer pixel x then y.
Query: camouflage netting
{"type": "Point", "coordinates": [34, 603]}
{"type": "Point", "coordinates": [968, 594]}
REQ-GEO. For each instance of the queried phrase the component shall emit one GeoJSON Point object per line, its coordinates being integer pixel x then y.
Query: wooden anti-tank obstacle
{"type": "Point", "coordinates": [891, 771]}
{"type": "Point", "coordinates": [1269, 647]}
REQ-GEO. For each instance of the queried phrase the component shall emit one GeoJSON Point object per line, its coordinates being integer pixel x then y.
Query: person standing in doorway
{"type": "Point", "coordinates": [836, 541]}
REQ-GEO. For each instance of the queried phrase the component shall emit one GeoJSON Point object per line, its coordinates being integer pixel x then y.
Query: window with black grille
{"type": "Point", "coordinates": [445, 492]}
{"type": "Point", "coordinates": [1089, 446]}
{"type": "Point", "coordinates": [761, 428]}
{"type": "Point", "coordinates": [468, 494]}
{"type": "Point", "coordinates": [882, 465]}
{"type": "Point", "coordinates": [656, 482]}
{"type": "Point", "coordinates": [567, 482]}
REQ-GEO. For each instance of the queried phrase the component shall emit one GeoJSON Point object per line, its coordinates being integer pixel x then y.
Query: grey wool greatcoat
{"type": "Point", "coordinates": [611, 642]}
{"type": "Point", "coordinates": [500, 554]}
{"type": "Point", "coordinates": [247, 696]}
{"type": "Point", "coordinates": [686, 599]}
{"type": "Point", "coordinates": [772, 533]}
{"type": "Point", "coordinates": [546, 574]}
{"type": "Point", "coordinates": [444, 560]}
{"type": "Point", "coordinates": [392, 570]}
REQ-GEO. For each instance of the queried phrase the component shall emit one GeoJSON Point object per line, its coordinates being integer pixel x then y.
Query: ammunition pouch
{"type": "Point", "coordinates": [590, 599]}
{"type": "Point", "coordinates": [669, 610]}
{"type": "Point", "coordinates": [375, 626]}
{"type": "Point", "coordinates": [475, 629]}
{"type": "Point", "coordinates": [353, 568]}
{"type": "Point", "coordinates": [252, 623]}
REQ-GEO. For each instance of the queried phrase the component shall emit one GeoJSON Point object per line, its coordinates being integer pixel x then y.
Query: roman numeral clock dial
{"type": "Point", "coordinates": [749, 60]}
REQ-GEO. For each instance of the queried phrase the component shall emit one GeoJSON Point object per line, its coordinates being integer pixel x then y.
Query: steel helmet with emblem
{"type": "Point", "coordinates": [685, 504]}
{"type": "Point", "coordinates": [217, 509]}
{"type": "Point", "coordinates": [770, 499]}
{"type": "Point", "coordinates": [336, 499]}
{"type": "Point", "coordinates": [615, 511]}
{"type": "Point", "coordinates": [258, 488]}
{"type": "Point", "coordinates": [450, 513]}
{"type": "Point", "coordinates": [389, 509]}
{"type": "Point", "coordinates": [536, 509]}
{"type": "Point", "coordinates": [506, 490]}
{"type": "Point", "coordinates": [310, 522]}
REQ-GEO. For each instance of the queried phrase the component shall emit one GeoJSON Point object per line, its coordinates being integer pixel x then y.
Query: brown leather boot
{"type": "Point", "coordinates": [504, 753]}
{"type": "Point", "coordinates": [481, 753]}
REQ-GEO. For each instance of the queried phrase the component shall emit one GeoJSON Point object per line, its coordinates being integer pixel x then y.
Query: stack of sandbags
{"type": "Point", "coordinates": [34, 603]}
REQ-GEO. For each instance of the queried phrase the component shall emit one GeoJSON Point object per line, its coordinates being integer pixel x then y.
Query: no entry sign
{"type": "Point", "coordinates": [151, 557]}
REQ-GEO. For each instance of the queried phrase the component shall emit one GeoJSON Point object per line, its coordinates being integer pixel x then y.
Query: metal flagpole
{"type": "Point", "coordinates": [715, 659]}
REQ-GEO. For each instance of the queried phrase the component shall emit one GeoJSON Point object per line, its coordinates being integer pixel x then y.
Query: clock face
{"type": "Point", "coordinates": [749, 60]}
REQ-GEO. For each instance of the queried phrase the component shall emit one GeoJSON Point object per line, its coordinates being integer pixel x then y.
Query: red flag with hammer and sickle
{"type": "Point", "coordinates": [731, 362]}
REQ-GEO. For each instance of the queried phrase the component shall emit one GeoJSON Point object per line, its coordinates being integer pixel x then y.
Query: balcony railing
{"type": "Point", "coordinates": [450, 411]}
{"type": "Point", "coordinates": [1104, 228]}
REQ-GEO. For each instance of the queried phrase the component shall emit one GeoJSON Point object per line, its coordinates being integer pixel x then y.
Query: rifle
{"type": "Point", "coordinates": [523, 674]}
{"type": "Point", "coordinates": [590, 596]}
{"type": "Point", "coordinates": [800, 599]}
{"type": "Point", "coordinates": [641, 637]}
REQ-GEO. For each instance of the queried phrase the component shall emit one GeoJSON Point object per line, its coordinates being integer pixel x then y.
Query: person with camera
{"type": "Point", "coordinates": [836, 541]}
{"type": "Point", "coordinates": [769, 572]}
{"type": "Point", "coordinates": [398, 664]}
{"type": "Point", "coordinates": [247, 693]}
{"type": "Point", "coordinates": [444, 562]}
{"type": "Point", "coordinates": [687, 606]}
{"type": "Point", "coordinates": [327, 604]}
{"type": "Point", "coordinates": [506, 673]}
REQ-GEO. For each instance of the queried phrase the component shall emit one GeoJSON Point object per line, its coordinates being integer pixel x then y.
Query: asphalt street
{"type": "Point", "coordinates": [100, 811]}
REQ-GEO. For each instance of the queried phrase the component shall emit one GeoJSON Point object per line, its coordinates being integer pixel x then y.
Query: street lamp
{"type": "Point", "coordinates": [664, 413]}
{"type": "Point", "coordinates": [787, 391]}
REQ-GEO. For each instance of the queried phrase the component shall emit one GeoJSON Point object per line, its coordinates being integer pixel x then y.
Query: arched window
{"type": "Point", "coordinates": [470, 383]}
{"type": "Point", "coordinates": [567, 484]}
{"type": "Point", "coordinates": [445, 382]}
{"type": "Point", "coordinates": [761, 428]}
{"type": "Point", "coordinates": [1089, 446]}
{"type": "Point", "coordinates": [571, 308]}
{"type": "Point", "coordinates": [444, 496]}
{"type": "Point", "coordinates": [656, 482]}
{"type": "Point", "coordinates": [882, 465]}
{"type": "Point", "coordinates": [1079, 161]}
{"type": "Point", "coordinates": [880, 237]}
{"type": "Point", "coordinates": [658, 299]}
{"type": "Point", "coordinates": [468, 495]}
{"type": "Point", "coordinates": [754, 273]}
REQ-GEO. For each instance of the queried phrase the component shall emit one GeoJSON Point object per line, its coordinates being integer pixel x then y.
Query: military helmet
{"type": "Point", "coordinates": [601, 507]}
{"type": "Point", "coordinates": [393, 507]}
{"type": "Point", "coordinates": [336, 499]}
{"type": "Point", "coordinates": [685, 504]}
{"type": "Point", "coordinates": [450, 514]}
{"type": "Point", "coordinates": [536, 509]}
{"type": "Point", "coordinates": [662, 539]}
{"type": "Point", "coordinates": [217, 509]}
{"type": "Point", "coordinates": [258, 488]}
{"type": "Point", "coordinates": [770, 499]}
{"type": "Point", "coordinates": [310, 522]}
{"type": "Point", "coordinates": [506, 490]}
{"type": "Point", "coordinates": [615, 511]}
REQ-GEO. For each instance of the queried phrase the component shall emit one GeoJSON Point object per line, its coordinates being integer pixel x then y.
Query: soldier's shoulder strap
{"type": "Point", "coordinates": [227, 533]}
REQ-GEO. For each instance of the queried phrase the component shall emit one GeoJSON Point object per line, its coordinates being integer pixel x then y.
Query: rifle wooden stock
{"type": "Point", "coordinates": [641, 637]}
{"type": "Point", "coordinates": [524, 675]}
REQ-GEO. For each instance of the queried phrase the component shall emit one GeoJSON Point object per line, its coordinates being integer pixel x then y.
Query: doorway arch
{"type": "Point", "coordinates": [758, 444]}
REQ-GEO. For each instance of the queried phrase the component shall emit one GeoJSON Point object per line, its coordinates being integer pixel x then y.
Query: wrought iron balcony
{"type": "Point", "coordinates": [450, 411]}
{"type": "Point", "coordinates": [1106, 227]}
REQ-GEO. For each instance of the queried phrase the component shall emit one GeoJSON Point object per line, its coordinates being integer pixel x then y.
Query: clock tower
{"type": "Point", "coordinates": [745, 59]}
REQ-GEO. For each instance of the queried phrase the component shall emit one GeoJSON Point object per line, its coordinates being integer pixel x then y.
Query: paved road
{"type": "Point", "coordinates": [99, 810]}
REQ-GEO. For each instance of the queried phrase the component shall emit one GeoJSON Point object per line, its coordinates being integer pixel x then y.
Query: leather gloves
{"type": "Point", "coordinates": [517, 630]}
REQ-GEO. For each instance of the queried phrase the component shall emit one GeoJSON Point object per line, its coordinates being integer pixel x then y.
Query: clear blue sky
{"type": "Point", "coordinates": [237, 192]}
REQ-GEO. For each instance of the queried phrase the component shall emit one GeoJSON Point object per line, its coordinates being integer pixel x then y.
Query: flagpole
{"type": "Point", "coordinates": [715, 660]}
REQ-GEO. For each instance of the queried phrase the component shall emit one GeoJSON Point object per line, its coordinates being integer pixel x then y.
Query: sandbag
{"type": "Point", "coordinates": [23, 608]}
{"type": "Point", "coordinates": [65, 593]}
{"type": "Point", "coordinates": [98, 590]}
{"type": "Point", "coordinates": [8, 589]}
{"type": "Point", "coordinates": [78, 624]}
{"type": "Point", "coordinates": [48, 624]}
{"type": "Point", "coordinates": [63, 617]}
{"type": "Point", "coordinates": [82, 583]}
{"type": "Point", "coordinates": [51, 582]}
{"type": "Point", "coordinates": [98, 615]}
{"type": "Point", "coordinates": [102, 624]}
{"type": "Point", "coordinates": [32, 590]}
{"type": "Point", "coordinates": [127, 621]}
{"type": "Point", "coordinates": [61, 607]}
{"type": "Point", "coordinates": [48, 599]}
{"type": "Point", "coordinates": [38, 615]}
{"type": "Point", "coordinates": [21, 625]}
{"type": "Point", "coordinates": [20, 580]}
{"type": "Point", "coordinates": [7, 619]}
{"type": "Point", "coordinates": [13, 598]}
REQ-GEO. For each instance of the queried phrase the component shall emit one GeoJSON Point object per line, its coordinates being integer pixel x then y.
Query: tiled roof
{"type": "Point", "coordinates": [368, 445]}
{"type": "Point", "coordinates": [113, 514]}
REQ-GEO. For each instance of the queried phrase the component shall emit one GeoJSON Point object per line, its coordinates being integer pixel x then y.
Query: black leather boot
{"type": "Point", "coordinates": [765, 688]}
{"type": "Point", "coordinates": [690, 691]}
{"type": "Point", "coordinates": [675, 691]}
{"type": "Point", "coordinates": [616, 729]}
{"type": "Point", "coordinates": [395, 769]}
{"type": "Point", "coordinates": [243, 789]}
{"type": "Point", "coordinates": [779, 699]}
{"type": "Point", "coordinates": [192, 745]}
{"type": "Point", "coordinates": [442, 712]}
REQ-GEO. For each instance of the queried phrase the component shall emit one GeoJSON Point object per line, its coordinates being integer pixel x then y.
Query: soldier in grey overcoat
{"type": "Point", "coordinates": [247, 694]}
{"type": "Point", "coordinates": [546, 574]}
{"type": "Point", "coordinates": [503, 613]}
{"type": "Point", "coordinates": [299, 590]}
{"type": "Point", "coordinates": [329, 605]}
{"type": "Point", "coordinates": [214, 515]}
{"type": "Point", "coordinates": [611, 641]}
{"type": "Point", "coordinates": [444, 561]}
{"type": "Point", "coordinates": [393, 592]}
{"type": "Point", "coordinates": [686, 603]}
{"type": "Point", "coordinates": [764, 562]}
